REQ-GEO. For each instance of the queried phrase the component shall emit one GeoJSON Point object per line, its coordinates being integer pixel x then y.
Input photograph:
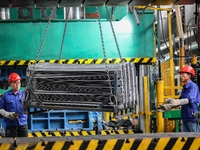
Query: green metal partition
{"type": "Point", "coordinates": [20, 39]}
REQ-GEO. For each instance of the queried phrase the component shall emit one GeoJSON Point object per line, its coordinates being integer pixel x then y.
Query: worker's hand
{"type": "Point", "coordinates": [173, 102]}
{"type": "Point", "coordinates": [169, 100]}
{"type": "Point", "coordinates": [164, 107]}
{"type": "Point", "coordinates": [9, 115]}
{"type": "Point", "coordinates": [168, 105]}
{"type": "Point", "coordinates": [195, 115]}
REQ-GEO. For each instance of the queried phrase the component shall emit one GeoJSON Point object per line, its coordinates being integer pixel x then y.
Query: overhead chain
{"type": "Point", "coordinates": [105, 57]}
{"type": "Point", "coordinates": [116, 42]}
{"type": "Point", "coordinates": [41, 45]}
{"type": "Point", "coordinates": [113, 31]}
{"type": "Point", "coordinates": [63, 38]}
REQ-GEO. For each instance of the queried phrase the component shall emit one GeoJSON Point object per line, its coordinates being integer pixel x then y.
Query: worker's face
{"type": "Point", "coordinates": [185, 77]}
{"type": "Point", "coordinates": [15, 85]}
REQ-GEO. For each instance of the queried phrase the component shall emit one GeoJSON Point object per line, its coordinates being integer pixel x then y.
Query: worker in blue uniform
{"type": "Point", "coordinates": [11, 107]}
{"type": "Point", "coordinates": [188, 101]}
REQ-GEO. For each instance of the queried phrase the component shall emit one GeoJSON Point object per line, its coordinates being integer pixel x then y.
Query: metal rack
{"type": "Point", "coordinates": [82, 87]}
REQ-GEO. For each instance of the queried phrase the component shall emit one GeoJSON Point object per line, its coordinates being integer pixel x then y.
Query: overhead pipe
{"type": "Point", "coordinates": [181, 36]}
{"type": "Point", "coordinates": [153, 8]}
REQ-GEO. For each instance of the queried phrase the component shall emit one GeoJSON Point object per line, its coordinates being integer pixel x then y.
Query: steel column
{"type": "Point", "coordinates": [146, 105]}
{"type": "Point", "coordinates": [171, 53]}
{"type": "Point", "coordinates": [160, 100]}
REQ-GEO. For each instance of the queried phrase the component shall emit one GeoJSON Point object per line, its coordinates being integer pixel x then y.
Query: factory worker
{"type": "Point", "coordinates": [11, 107]}
{"type": "Point", "coordinates": [188, 101]}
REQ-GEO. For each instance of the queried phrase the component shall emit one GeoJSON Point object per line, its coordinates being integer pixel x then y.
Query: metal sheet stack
{"type": "Point", "coordinates": [82, 87]}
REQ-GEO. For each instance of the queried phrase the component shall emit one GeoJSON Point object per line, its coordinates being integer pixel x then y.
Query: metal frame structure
{"type": "Point", "coordinates": [78, 3]}
{"type": "Point", "coordinates": [82, 87]}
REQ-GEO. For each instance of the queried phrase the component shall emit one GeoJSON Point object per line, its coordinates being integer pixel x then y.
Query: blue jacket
{"type": "Point", "coordinates": [190, 91]}
{"type": "Point", "coordinates": [13, 103]}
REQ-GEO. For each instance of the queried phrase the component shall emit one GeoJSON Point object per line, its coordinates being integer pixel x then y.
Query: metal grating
{"type": "Point", "coordinates": [82, 87]}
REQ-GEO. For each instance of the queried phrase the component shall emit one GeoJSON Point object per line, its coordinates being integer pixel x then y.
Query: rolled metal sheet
{"type": "Point", "coordinates": [80, 86]}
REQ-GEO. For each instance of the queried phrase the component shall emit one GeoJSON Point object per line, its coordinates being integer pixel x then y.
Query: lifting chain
{"type": "Point", "coordinates": [63, 38]}
{"type": "Point", "coordinates": [41, 45]}
{"type": "Point", "coordinates": [104, 53]}
{"type": "Point", "coordinates": [113, 31]}
{"type": "Point", "coordinates": [117, 45]}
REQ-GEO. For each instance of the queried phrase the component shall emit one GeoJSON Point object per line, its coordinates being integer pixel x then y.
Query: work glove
{"type": "Point", "coordinates": [171, 103]}
{"type": "Point", "coordinates": [9, 115]}
{"type": "Point", "coordinates": [176, 102]}
{"type": "Point", "coordinates": [195, 115]}
{"type": "Point", "coordinates": [164, 107]}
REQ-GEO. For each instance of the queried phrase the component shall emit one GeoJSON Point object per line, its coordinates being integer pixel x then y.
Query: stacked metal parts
{"type": "Point", "coordinates": [82, 87]}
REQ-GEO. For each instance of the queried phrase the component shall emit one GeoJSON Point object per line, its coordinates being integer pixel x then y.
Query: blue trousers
{"type": "Point", "coordinates": [190, 127]}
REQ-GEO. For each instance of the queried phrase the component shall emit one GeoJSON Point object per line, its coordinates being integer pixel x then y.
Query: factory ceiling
{"type": "Point", "coordinates": [78, 3]}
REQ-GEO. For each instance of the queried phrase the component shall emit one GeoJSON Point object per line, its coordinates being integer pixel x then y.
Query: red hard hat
{"type": "Point", "coordinates": [187, 69]}
{"type": "Point", "coordinates": [13, 77]}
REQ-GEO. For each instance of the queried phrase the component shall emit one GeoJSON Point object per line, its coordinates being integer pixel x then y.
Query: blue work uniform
{"type": "Point", "coordinates": [13, 103]}
{"type": "Point", "coordinates": [191, 92]}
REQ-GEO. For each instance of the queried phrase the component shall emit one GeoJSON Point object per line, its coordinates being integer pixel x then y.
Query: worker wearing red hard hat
{"type": "Point", "coordinates": [11, 107]}
{"type": "Point", "coordinates": [188, 101]}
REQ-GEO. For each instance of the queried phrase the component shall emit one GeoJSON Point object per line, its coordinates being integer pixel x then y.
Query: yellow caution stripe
{"type": "Point", "coordinates": [77, 61]}
{"type": "Point", "coordinates": [77, 133]}
{"type": "Point", "coordinates": [107, 144]}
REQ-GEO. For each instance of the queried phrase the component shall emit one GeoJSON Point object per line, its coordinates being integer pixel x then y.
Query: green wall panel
{"type": "Point", "coordinates": [21, 40]}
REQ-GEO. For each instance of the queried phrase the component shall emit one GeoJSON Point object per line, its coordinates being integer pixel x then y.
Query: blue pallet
{"type": "Point", "coordinates": [59, 120]}
{"type": "Point", "coordinates": [64, 120]}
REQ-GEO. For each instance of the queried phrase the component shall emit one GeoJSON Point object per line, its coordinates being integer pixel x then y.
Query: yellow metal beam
{"type": "Point", "coordinates": [171, 53]}
{"type": "Point", "coordinates": [160, 100]}
{"type": "Point", "coordinates": [174, 87]}
{"type": "Point", "coordinates": [153, 8]}
{"type": "Point", "coordinates": [146, 105]}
